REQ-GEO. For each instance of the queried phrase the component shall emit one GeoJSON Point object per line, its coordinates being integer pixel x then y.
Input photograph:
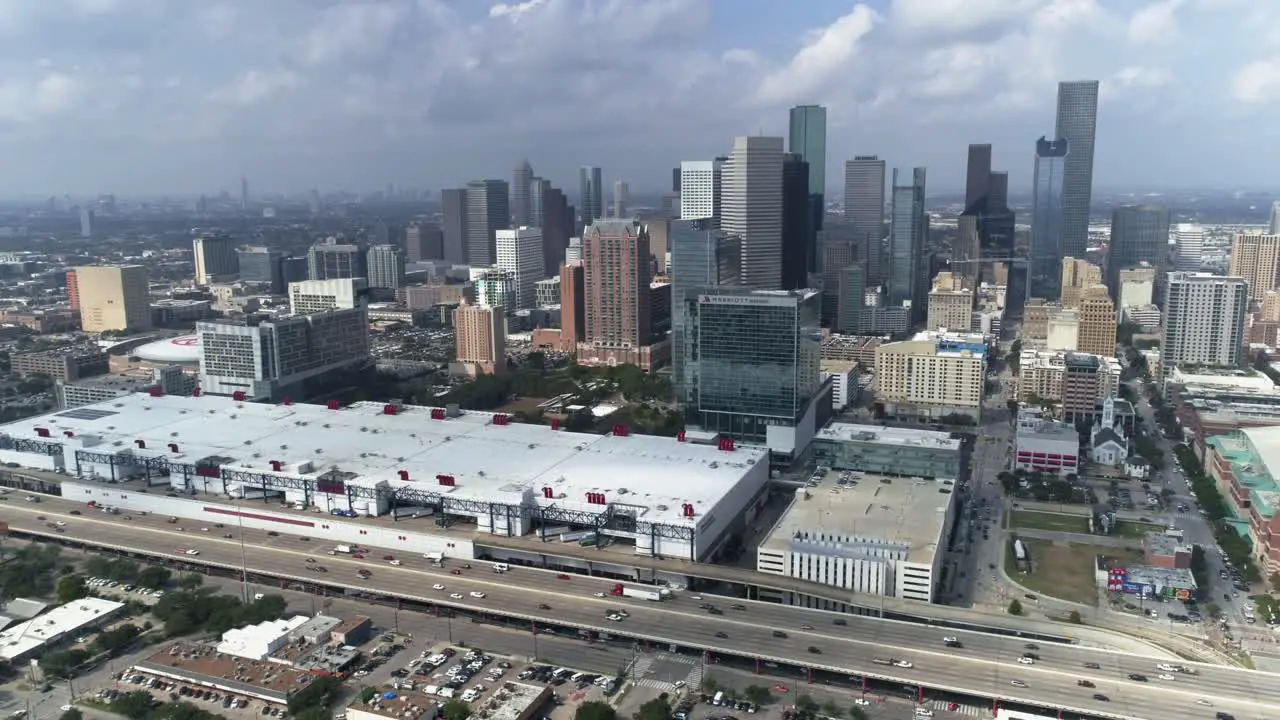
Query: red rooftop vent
{"type": "Point", "coordinates": [68, 433]}
{"type": "Point", "coordinates": [596, 498]}
{"type": "Point", "coordinates": [333, 405]}
{"type": "Point", "coordinates": [726, 444]}
{"type": "Point", "coordinates": [173, 447]}
{"type": "Point", "coordinates": [501, 420]}
{"type": "Point", "coordinates": [680, 436]}
{"type": "Point", "coordinates": [155, 391]}
{"type": "Point", "coordinates": [687, 510]}
{"type": "Point", "coordinates": [275, 466]}
{"type": "Point", "coordinates": [286, 400]}
{"type": "Point", "coordinates": [555, 424]}
{"type": "Point", "coordinates": [447, 480]}
{"type": "Point", "coordinates": [238, 396]}
{"type": "Point", "coordinates": [391, 409]}
{"type": "Point", "coordinates": [621, 431]}
{"type": "Point", "coordinates": [195, 391]}
{"type": "Point", "coordinates": [404, 475]}
{"type": "Point", "coordinates": [42, 432]}
{"type": "Point", "coordinates": [437, 413]}
{"type": "Point", "coordinates": [548, 493]}
{"type": "Point", "coordinates": [140, 443]}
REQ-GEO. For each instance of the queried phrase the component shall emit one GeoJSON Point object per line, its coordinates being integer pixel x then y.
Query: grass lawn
{"type": "Point", "coordinates": [1066, 571]}
{"type": "Point", "coordinates": [1132, 529]}
{"type": "Point", "coordinates": [1056, 522]}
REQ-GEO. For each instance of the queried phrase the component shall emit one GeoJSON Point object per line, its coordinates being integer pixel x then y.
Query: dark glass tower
{"type": "Point", "coordinates": [907, 234]}
{"type": "Point", "coordinates": [809, 140]}
{"type": "Point", "coordinates": [1139, 234]}
{"type": "Point", "coordinates": [488, 211]}
{"type": "Point", "coordinates": [1078, 125]}
{"type": "Point", "coordinates": [591, 186]}
{"type": "Point", "coordinates": [798, 237]}
{"type": "Point", "coordinates": [1046, 219]}
{"type": "Point", "coordinates": [864, 210]}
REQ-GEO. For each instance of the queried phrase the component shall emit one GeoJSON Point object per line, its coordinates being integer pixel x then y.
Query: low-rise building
{"type": "Point", "coordinates": [888, 451]}
{"type": "Point", "coordinates": [1166, 551]}
{"type": "Point", "coordinates": [853, 348]}
{"type": "Point", "coordinates": [844, 382]}
{"type": "Point", "coordinates": [65, 363]}
{"type": "Point", "coordinates": [1045, 445]}
{"type": "Point", "coordinates": [37, 634]}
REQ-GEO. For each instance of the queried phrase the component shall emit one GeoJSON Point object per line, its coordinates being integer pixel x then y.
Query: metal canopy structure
{"type": "Point", "coordinates": [32, 445]}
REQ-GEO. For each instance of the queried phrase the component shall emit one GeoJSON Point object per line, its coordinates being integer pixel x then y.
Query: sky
{"type": "Point", "coordinates": [182, 97]}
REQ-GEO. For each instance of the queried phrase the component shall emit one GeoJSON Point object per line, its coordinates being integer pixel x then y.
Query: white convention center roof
{"type": "Point", "coordinates": [185, 349]}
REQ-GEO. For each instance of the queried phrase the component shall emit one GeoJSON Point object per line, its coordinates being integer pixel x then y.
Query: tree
{"type": "Point", "coordinates": [71, 588]}
{"type": "Point", "coordinates": [806, 704]}
{"type": "Point", "coordinates": [595, 710]}
{"type": "Point", "coordinates": [456, 710]}
{"type": "Point", "coordinates": [757, 694]}
{"type": "Point", "coordinates": [72, 714]}
{"type": "Point", "coordinates": [831, 708]}
{"type": "Point", "coordinates": [154, 576]}
{"type": "Point", "coordinates": [190, 581]}
{"type": "Point", "coordinates": [134, 705]}
{"type": "Point", "coordinates": [656, 709]}
{"type": "Point", "coordinates": [1015, 607]}
{"type": "Point", "coordinates": [1074, 618]}
{"type": "Point", "coordinates": [63, 663]}
{"type": "Point", "coordinates": [709, 685]}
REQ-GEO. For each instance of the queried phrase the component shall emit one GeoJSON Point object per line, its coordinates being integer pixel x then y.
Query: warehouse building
{"type": "Point", "coordinates": [33, 637]}
{"type": "Point", "coordinates": [888, 451]}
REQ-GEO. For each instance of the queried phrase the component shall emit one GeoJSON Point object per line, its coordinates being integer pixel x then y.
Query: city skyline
{"type": "Point", "coordinates": [341, 100]}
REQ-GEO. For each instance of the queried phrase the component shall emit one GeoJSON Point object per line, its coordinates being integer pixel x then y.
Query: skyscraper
{"type": "Point", "coordinates": [537, 188]}
{"type": "Point", "coordinates": [1188, 247]}
{"type": "Point", "coordinates": [522, 195]}
{"type": "Point", "coordinates": [615, 259]}
{"type": "Point", "coordinates": [621, 199]}
{"type": "Point", "coordinates": [591, 194]}
{"type": "Point", "coordinates": [1046, 219]}
{"type": "Point", "coordinates": [519, 251]}
{"type": "Point", "coordinates": [262, 265]}
{"type": "Point", "coordinates": [244, 193]}
{"type": "Point", "coordinates": [331, 262]}
{"type": "Point", "coordinates": [1139, 234]}
{"type": "Point", "coordinates": [1077, 123]}
{"type": "Point", "coordinates": [113, 297]}
{"type": "Point", "coordinates": [809, 141]}
{"type": "Point", "coordinates": [1256, 258]}
{"type": "Point", "coordinates": [1274, 221]}
{"type": "Point", "coordinates": [386, 267]}
{"type": "Point", "coordinates": [453, 203]}
{"type": "Point", "coordinates": [798, 236]}
{"type": "Point", "coordinates": [977, 184]}
{"type": "Point", "coordinates": [702, 191]}
{"type": "Point", "coordinates": [487, 212]}
{"type": "Point", "coordinates": [864, 178]}
{"type": "Point", "coordinates": [752, 196]}
{"type": "Point", "coordinates": [557, 227]}
{"type": "Point", "coordinates": [214, 256]}
{"type": "Point", "coordinates": [423, 241]}
{"type": "Point", "coordinates": [907, 234]}
{"type": "Point", "coordinates": [1202, 320]}
{"type": "Point", "coordinates": [86, 223]}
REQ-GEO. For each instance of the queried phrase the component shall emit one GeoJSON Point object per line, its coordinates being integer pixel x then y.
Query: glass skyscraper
{"type": "Point", "coordinates": [1077, 123]}
{"type": "Point", "coordinates": [1046, 219]}
{"type": "Point", "coordinates": [908, 271]}
{"type": "Point", "coordinates": [591, 187]}
{"type": "Point", "coordinates": [702, 258]}
{"type": "Point", "coordinates": [808, 139]}
{"type": "Point", "coordinates": [1139, 234]}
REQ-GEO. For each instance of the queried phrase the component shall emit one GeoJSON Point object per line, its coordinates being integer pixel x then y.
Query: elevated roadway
{"type": "Point", "coordinates": [812, 639]}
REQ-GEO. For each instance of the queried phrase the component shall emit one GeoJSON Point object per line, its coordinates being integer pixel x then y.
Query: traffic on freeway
{"type": "Point", "coordinates": [1088, 681]}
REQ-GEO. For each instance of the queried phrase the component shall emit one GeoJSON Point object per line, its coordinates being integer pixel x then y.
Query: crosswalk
{"type": "Point", "coordinates": [939, 707]}
{"type": "Point", "coordinates": [643, 665]}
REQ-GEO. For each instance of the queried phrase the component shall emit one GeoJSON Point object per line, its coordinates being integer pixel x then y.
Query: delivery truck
{"type": "Point", "coordinates": [651, 594]}
{"type": "Point", "coordinates": [344, 549]}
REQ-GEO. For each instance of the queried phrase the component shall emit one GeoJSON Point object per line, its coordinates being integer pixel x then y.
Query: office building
{"type": "Point", "coordinates": [538, 188]}
{"type": "Point", "coordinates": [423, 241]}
{"type": "Point", "coordinates": [312, 296]}
{"type": "Point", "coordinates": [1045, 445]}
{"type": "Point", "coordinates": [86, 223]}
{"type": "Point", "coordinates": [494, 287]}
{"type": "Point", "coordinates": [520, 253]}
{"type": "Point", "coordinates": [997, 233]}
{"type": "Point", "coordinates": [453, 226]}
{"type": "Point", "coordinates": [701, 257]}
{"type": "Point", "coordinates": [292, 356]}
{"type": "Point", "coordinates": [808, 140]}
{"type": "Point", "coordinates": [590, 195]}
{"type": "Point", "coordinates": [864, 178]}
{"type": "Point", "coordinates": [753, 208]}
{"type": "Point", "coordinates": [1077, 276]}
{"type": "Point", "coordinates": [1047, 248]}
{"type": "Point", "coordinates": [1139, 235]}
{"type": "Point", "coordinates": [333, 262]}
{"type": "Point", "coordinates": [908, 230]}
{"type": "Point", "coordinates": [931, 376]}
{"type": "Point", "coordinates": [701, 191]}
{"type": "Point", "coordinates": [616, 259]}
{"type": "Point", "coordinates": [839, 251]}
{"type": "Point", "coordinates": [1077, 123]}
{"type": "Point", "coordinates": [1273, 223]}
{"type": "Point", "coordinates": [113, 297]}
{"type": "Point", "coordinates": [522, 200]}
{"type": "Point", "coordinates": [262, 265]}
{"type": "Point", "coordinates": [1137, 287]}
{"type": "Point", "coordinates": [950, 304]}
{"type": "Point", "coordinates": [1256, 258]}
{"type": "Point", "coordinates": [621, 199]}
{"type": "Point", "coordinates": [488, 212]}
{"type": "Point", "coordinates": [1043, 375]}
{"type": "Point", "coordinates": [573, 311]}
{"type": "Point", "coordinates": [1062, 329]}
{"type": "Point", "coordinates": [386, 267]}
{"type": "Point", "coordinates": [215, 257]}
{"type": "Point", "coordinates": [977, 179]}
{"type": "Point", "coordinates": [851, 299]}
{"type": "Point", "coordinates": [481, 339]}
{"type": "Point", "coordinates": [1096, 333]}
{"type": "Point", "coordinates": [1203, 321]}
{"type": "Point", "coordinates": [68, 363]}
{"type": "Point", "coordinates": [557, 227]}
{"type": "Point", "coordinates": [798, 235]}
{"type": "Point", "coordinates": [1188, 247]}
{"type": "Point", "coordinates": [659, 243]}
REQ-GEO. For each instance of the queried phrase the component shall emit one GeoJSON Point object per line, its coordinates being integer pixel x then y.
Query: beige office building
{"type": "Point", "coordinates": [950, 303]}
{"type": "Point", "coordinates": [916, 378]}
{"type": "Point", "coordinates": [1137, 287]}
{"type": "Point", "coordinates": [1077, 275]}
{"type": "Point", "coordinates": [1256, 258]}
{"type": "Point", "coordinates": [481, 334]}
{"type": "Point", "coordinates": [114, 297]}
{"type": "Point", "coordinates": [1097, 333]}
{"type": "Point", "coordinates": [1062, 329]}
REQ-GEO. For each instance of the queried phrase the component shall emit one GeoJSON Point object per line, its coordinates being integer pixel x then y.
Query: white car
{"type": "Point", "coordinates": [903, 664]}
{"type": "Point", "coordinates": [397, 563]}
{"type": "Point", "coordinates": [861, 701]}
{"type": "Point", "coordinates": [599, 594]}
{"type": "Point", "coordinates": [477, 594]}
{"type": "Point", "coordinates": [1166, 667]}
{"type": "Point", "coordinates": [193, 551]}
{"type": "Point", "coordinates": [437, 586]}
{"type": "Point", "coordinates": [1026, 661]}
{"type": "Point", "coordinates": [1165, 676]}
{"type": "Point", "coordinates": [950, 639]}
{"type": "Point", "coordinates": [456, 596]}
{"type": "Point", "coordinates": [60, 524]}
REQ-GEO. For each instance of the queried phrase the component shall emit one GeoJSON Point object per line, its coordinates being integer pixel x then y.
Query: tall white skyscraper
{"type": "Point", "coordinates": [1188, 246]}
{"type": "Point", "coordinates": [522, 210]}
{"type": "Point", "coordinates": [701, 184]}
{"type": "Point", "coordinates": [1275, 218]}
{"type": "Point", "coordinates": [752, 195]}
{"type": "Point", "coordinates": [386, 266]}
{"type": "Point", "coordinates": [621, 198]}
{"type": "Point", "coordinates": [1202, 320]}
{"type": "Point", "coordinates": [520, 253]}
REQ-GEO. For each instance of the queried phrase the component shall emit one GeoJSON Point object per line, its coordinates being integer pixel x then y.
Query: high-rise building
{"type": "Point", "coordinates": [977, 184]}
{"type": "Point", "coordinates": [113, 297]}
{"type": "Point", "coordinates": [908, 229]}
{"type": "Point", "coordinates": [753, 208]}
{"type": "Point", "coordinates": [659, 230]}
{"type": "Point", "coordinates": [522, 207]}
{"type": "Point", "coordinates": [312, 296]}
{"type": "Point", "coordinates": [329, 262]}
{"type": "Point", "coordinates": [494, 287]}
{"type": "Point", "coordinates": [1202, 321]}
{"type": "Point", "coordinates": [701, 193]}
{"type": "Point", "coordinates": [557, 227]}
{"type": "Point", "coordinates": [1077, 123]}
{"type": "Point", "coordinates": [950, 304]}
{"type": "Point", "coordinates": [1077, 276]}
{"type": "Point", "coordinates": [1139, 234]}
{"type": "Point", "coordinates": [453, 203]}
{"type": "Point", "coordinates": [1137, 287]}
{"type": "Point", "coordinates": [73, 289]}
{"type": "Point", "coordinates": [591, 194]}
{"type": "Point", "coordinates": [839, 252]}
{"type": "Point", "coordinates": [701, 257]}
{"type": "Point", "coordinates": [966, 251]}
{"type": "Point", "coordinates": [1047, 249]}
{"type": "Point", "coordinates": [851, 300]}
{"type": "Point", "coordinates": [538, 188]}
{"type": "Point", "coordinates": [1188, 247]}
{"type": "Point", "coordinates": [481, 338]}
{"type": "Point", "coordinates": [1256, 258]}
{"type": "Point", "coordinates": [520, 253]}
{"type": "Point", "coordinates": [621, 199]}
{"type": "Point", "coordinates": [284, 356]}
{"type": "Point", "coordinates": [808, 139]}
{"type": "Point", "coordinates": [615, 258]}
{"type": "Point", "coordinates": [262, 265]}
{"type": "Point", "coordinates": [86, 223]}
{"type": "Point", "coordinates": [1273, 222]}
{"type": "Point", "coordinates": [215, 257]}
{"type": "Point", "coordinates": [864, 178]}
{"type": "Point", "coordinates": [487, 213]}
{"type": "Point", "coordinates": [244, 193]}
{"type": "Point", "coordinates": [423, 241]}
{"type": "Point", "coordinates": [1096, 333]}
{"type": "Point", "coordinates": [386, 266]}
{"type": "Point", "coordinates": [573, 311]}
{"type": "Point", "coordinates": [798, 236]}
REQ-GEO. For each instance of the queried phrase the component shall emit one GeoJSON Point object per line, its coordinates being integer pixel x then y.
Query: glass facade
{"type": "Point", "coordinates": [907, 279]}
{"type": "Point", "coordinates": [1046, 219]}
{"type": "Point", "coordinates": [809, 140]}
{"type": "Point", "coordinates": [1077, 123]}
{"type": "Point", "coordinates": [701, 258]}
{"type": "Point", "coordinates": [1139, 234]}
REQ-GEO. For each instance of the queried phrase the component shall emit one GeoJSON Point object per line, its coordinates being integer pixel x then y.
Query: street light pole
{"type": "Point", "coordinates": [244, 561]}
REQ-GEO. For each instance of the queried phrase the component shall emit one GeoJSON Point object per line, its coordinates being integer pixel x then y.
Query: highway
{"type": "Point", "coordinates": [986, 665]}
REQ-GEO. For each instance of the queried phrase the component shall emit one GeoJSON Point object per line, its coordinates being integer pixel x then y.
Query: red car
{"type": "Point", "coordinates": [457, 572]}
{"type": "Point", "coordinates": [563, 576]}
{"type": "Point", "coordinates": [388, 557]}
{"type": "Point", "coordinates": [358, 556]}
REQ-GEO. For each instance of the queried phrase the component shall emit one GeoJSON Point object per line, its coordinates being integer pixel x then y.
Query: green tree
{"type": "Point", "coordinates": [655, 709]}
{"type": "Point", "coordinates": [134, 705]}
{"type": "Point", "coordinates": [1015, 607]}
{"type": "Point", "coordinates": [757, 694]}
{"type": "Point", "coordinates": [154, 576]}
{"type": "Point", "coordinates": [595, 710]}
{"type": "Point", "coordinates": [456, 710]}
{"type": "Point", "coordinates": [72, 714]}
{"type": "Point", "coordinates": [1074, 618]}
{"type": "Point", "coordinates": [63, 663]}
{"type": "Point", "coordinates": [806, 703]}
{"type": "Point", "coordinates": [315, 695]}
{"type": "Point", "coordinates": [116, 639]}
{"type": "Point", "coordinates": [190, 581]}
{"type": "Point", "coordinates": [71, 588]}
{"type": "Point", "coordinates": [831, 708]}
{"type": "Point", "coordinates": [1275, 581]}
{"type": "Point", "coordinates": [367, 693]}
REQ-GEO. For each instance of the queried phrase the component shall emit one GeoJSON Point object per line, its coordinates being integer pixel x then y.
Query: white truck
{"type": "Point", "coordinates": [650, 594]}
{"type": "Point", "coordinates": [344, 549]}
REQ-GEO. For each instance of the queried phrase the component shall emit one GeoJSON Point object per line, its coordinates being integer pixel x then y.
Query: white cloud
{"type": "Point", "coordinates": [39, 99]}
{"type": "Point", "coordinates": [256, 86]}
{"type": "Point", "coordinates": [514, 11]}
{"type": "Point", "coordinates": [825, 53]}
{"type": "Point", "coordinates": [1257, 83]}
{"type": "Point", "coordinates": [1156, 23]}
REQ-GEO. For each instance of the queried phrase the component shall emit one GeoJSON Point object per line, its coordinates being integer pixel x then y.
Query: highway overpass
{"type": "Point", "coordinates": [845, 644]}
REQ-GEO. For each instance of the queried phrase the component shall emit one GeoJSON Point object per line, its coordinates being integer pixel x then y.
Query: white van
{"type": "Point", "coordinates": [576, 677]}
{"type": "Point", "coordinates": [719, 699]}
{"type": "Point", "coordinates": [501, 567]}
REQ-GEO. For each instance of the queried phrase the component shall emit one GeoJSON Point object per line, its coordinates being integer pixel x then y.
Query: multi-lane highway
{"type": "Point", "coordinates": [986, 665]}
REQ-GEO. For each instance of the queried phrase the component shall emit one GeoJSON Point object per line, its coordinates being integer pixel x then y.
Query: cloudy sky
{"type": "Point", "coordinates": [184, 96]}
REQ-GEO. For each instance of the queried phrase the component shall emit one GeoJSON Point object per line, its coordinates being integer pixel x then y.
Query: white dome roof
{"type": "Point", "coordinates": [185, 349]}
